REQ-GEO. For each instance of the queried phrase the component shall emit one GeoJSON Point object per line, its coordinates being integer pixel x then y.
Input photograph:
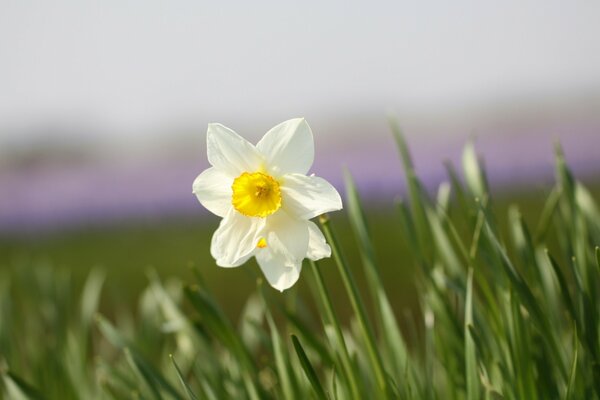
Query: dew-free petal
{"type": "Point", "coordinates": [317, 245]}
{"type": "Point", "coordinates": [287, 236]}
{"type": "Point", "coordinates": [235, 239]}
{"type": "Point", "coordinates": [229, 152]}
{"type": "Point", "coordinates": [308, 196]}
{"type": "Point", "coordinates": [213, 189]}
{"type": "Point", "coordinates": [280, 272]}
{"type": "Point", "coordinates": [288, 147]}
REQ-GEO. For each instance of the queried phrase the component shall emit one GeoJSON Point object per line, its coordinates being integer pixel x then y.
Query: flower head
{"type": "Point", "coordinates": [266, 200]}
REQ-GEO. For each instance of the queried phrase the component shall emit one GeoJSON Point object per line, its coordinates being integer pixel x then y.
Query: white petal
{"type": "Point", "coordinates": [308, 196]}
{"type": "Point", "coordinates": [288, 147]}
{"type": "Point", "coordinates": [317, 245]}
{"type": "Point", "coordinates": [236, 238]}
{"type": "Point", "coordinates": [280, 272]}
{"type": "Point", "coordinates": [286, 236]}
{"type": "Point", "coordinates": [213, 189]}
{"type": "Point", "coordinates": [230, 152]}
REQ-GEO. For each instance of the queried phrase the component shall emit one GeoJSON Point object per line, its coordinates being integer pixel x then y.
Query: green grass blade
{"type": "Point", "coordinates": [474, 174]}
{"type": "Point", "coordinates": [442, 200]}
{"type": "Point", "coordinates": [188, 390]}
{"type": "Point", "coordinates": [90, 296]}
{"type": "Point", "coordinates": [18, 389]}
{"type": "Point", "coordinates": [529, 301]}
{"type": "Point", "coordinates": [110, 333]}
{"type": "Point", "coordinates": [358, 307]}
{"type": "Point", "coordinates": [398, 349]}
{"type": "Point", "coordinates": [144, 370]}
{"type": "Point", "coordinates": [564, 289]}
{"type": "Point", "coordinates": [143, 375]}
{"type": "Point", "coordinates": [548, 211]}
{"type": "Point", "coordinates": [331, 320]}
{"type": "Point", "coordinates": [444, 245]}
{"type": "Point", "coordinates": [572, 374]}
{"type": "Point", "coordinates": [216, 322]}
{"type": "Point", "coordinates": [401, 143]}
{"type": "Point", "coordinates": [470, 356]}
{"type": "Point", "coordinates": [281, 361]}
{"type": "Point", "coordinates": [406, 224]}
{"type": "Point", "coordinates": [222, 330]}
{"type": "Point", "coordinates": [311, 340]}
{"type": "Point", "coordinates": [308, 369]}
{"type": "Point", "coordinates": [522, 352]}
{"type": "Point", "coordinates": [397, 353]}
{"type": "Point", "coordinates": [416, 195]}
{"type": "Point", "coordinates": [457, 189]}
{"type": "Point", "coordinates": [155, 376]}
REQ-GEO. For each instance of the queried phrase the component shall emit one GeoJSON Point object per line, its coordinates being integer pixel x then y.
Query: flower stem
{"type": "Point", "coordinates": [357, 305]}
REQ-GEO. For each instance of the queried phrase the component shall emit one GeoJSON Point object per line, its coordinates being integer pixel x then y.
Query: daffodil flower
{"type": "Point", "coordinates": [266, 200]}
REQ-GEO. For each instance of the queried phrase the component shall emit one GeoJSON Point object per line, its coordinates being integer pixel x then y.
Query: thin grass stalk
{"type": "Point", "coordinates": [308, 369]}
{"type": "Point", "coordinates": [358, 307]}
{"type": "Point", "coordinates": [331, 319]}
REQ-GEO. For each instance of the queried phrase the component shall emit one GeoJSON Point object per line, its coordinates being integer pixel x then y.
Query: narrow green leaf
{"type": "Point", "coordinates": [572, 374]}
{"type": "Point", "coordinates": [444, 245]}
{"type": "Point", "coordinates": [338, 343]}
{"type": "Point", "coordinates": [443, 198]}
{"type": "Point", "coordinates": [476, 337]}
{"type": "Point", "coordinates": [308, 369]}
{"type": "Point", "coordinates": [145, 371]}
{"type": "Point", "coordinates": [520, 346]}
{"type": "Point", "coordinates": [220, 327]}
{"type": "Point", "coordinates": [470, 356]}
{"type": "Point", "coordinates": [90, 296]}
{"type": "Point", "coordinates": [110, 333]}
{"type": "Point", "coordinates": [188, 390]}
{"type": "Point", "coordinates": [18, 389]}
{"type": "Point", "coordinates": [398, 348]}
{"type": "Point", "coordinates": [457, 189]}
{"type": "Point", "coordinates": [474, 174]}
{"type": "Point", "coordinates": [548, 212]}
{"type": "Point", "coordinates": [563, 174]}
{"type": "Point", "coordinates": [311, 340]}
{"type": "Point", "coordinates": [416, 195]}
{"type": "Point", "coordinates": [401, 143]}
{"type": "Point", "coordinates": [384, 316]}
{"type": "Point", "coordinates": [360, 228]}
{"type": "Point", "coordinates": [521, 237]}
{"type": "Point", "coordinates": [357, 305]}
{"type": "Point", "coordinates": [406, 223]}
{"type": "Point", "coordinates": [564, 288]}
{"type": "Point", "coordinates": [142, 374]}
{"type": "Point", "coordinates": [529, 301]}
{"type": "Point", "coordinates": [153, 375]}
{"type": "Point", "coordinates": [281, 361]}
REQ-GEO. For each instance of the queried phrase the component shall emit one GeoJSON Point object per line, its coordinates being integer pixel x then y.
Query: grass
{"type": "Point", "coordinates": [458, 295]}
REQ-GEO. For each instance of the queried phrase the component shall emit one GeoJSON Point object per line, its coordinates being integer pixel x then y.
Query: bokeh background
{"type": "Point", "coordinates": [104, 107]}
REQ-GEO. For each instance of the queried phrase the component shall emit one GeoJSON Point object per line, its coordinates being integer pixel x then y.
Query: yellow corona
{"type": "Point", "coordinates": [256, 194]}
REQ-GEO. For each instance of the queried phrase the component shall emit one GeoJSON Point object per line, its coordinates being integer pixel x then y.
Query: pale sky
{"type": "Point", "coordinates": [134, 65]}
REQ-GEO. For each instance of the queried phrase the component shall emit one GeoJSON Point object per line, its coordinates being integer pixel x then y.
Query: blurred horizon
{"type": "Point", "coordinates": [105, 106]}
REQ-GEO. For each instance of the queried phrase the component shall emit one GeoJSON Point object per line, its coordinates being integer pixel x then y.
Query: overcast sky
{"type": "Point", "coordinates": [134, 65]}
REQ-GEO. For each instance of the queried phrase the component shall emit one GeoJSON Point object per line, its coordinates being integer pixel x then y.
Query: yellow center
{"type": "Point", "coordinates": [256, 194]}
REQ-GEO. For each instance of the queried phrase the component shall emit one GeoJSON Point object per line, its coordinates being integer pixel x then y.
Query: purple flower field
{"type": "Point", "coordinates": [56, 196]}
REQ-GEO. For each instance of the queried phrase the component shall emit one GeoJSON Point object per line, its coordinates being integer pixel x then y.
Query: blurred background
{"type": "Point", "coordinates": [104, 108]}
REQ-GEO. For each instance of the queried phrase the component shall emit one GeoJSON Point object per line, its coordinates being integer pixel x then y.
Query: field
{"type": "Point", "coordinates": [465, 293]}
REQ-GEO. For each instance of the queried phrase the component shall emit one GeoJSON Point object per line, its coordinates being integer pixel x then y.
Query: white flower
{"type": "Point", "coordinates": [266, 200]}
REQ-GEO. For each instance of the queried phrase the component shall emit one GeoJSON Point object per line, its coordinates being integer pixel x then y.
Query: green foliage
{"type": "Point", "coordinates": [502, 314]}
